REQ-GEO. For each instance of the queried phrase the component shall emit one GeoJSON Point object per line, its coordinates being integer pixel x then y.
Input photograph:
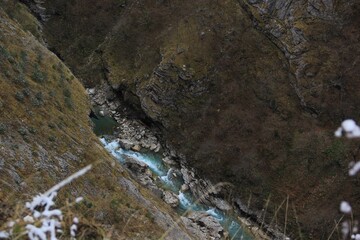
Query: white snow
{"type": "Point", "coordinates": [79, 199]}
{"type": "Point", "coordinates": [345, 207]}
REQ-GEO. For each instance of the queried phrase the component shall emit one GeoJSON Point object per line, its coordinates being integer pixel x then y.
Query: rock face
{"type": "Point", "coordinates": [203, 226]}
{"type": "Point", "coordinates": [249, 91]}
{"type": "Point", "coordinates": [36, 6]}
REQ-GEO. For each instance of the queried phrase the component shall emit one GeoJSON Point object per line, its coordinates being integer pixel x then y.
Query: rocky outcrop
{"type": "Point", "coordinates": [204, 226]}
{"type": "Point", "coordinates": [38, 9]}
{"type": "Point", "coordinates": [133, 134]}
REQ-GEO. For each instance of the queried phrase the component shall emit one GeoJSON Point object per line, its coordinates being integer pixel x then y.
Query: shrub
{"type": "Point", "coordinates": [39, 96]}
{"type": "Point", "coordinates": [11, 60]}
{"type": "Point", "coordinates": [62, 78]}
{"type": "Point", "coordinates": [52, 138]}
{"type": "Point", "coordinates": [19, 96]}
{"type": "Point", "coordinates": [67, 93]}
{"type": "Point", "coordinates": [26, 92]}
{"type": "Point", "coordinates": [38, 100]}
{"type": "Point", "coordinates": [32, 130]}
{"type": "Point", "coordinates": [69, 103]}
{"type": "Point", "coordinates": [2, 128]}
{"type": "Point", "coordinates": [52, 125]}
{"type": "Point", "coordinates": [35, 102]}
{"type": "Point", "coordinates": [38, 75]}
{"type": "Point", "coordinates": [7, 74]}
{"type": "Point", "coordinates": [4, 53]}
{"type": "Point", "coordinates": [24, 60]}
{"type": "Point", "coordinates": [39, 57]}
{"type": "Point", "coordinates": [23, 131]}
{"type": "Point", "coordinates": [52, 94]}
{"type": "Point", "coordinates": [21, 80]}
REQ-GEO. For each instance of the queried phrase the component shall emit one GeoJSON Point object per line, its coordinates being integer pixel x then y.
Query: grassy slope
{"type": "Point", "coordinates": [46, 135]}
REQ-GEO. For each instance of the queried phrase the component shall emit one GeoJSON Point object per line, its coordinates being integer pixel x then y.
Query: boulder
{"type": "Point", "coordinates": [135, 166]}
{"type": "Point", "coordinates": [174, 175]}
{"type": "Point", "coordinates": [136, 148]}
{"type": "Point", "coordinates": [169, 161]}
{"type": "Point", "coordinates": [221, 204]}
{"type": "Point", "coordinates": [158, 147]}
{"type": "Point", "coordinates": [91, 91]}
{"type": "Point", "coordinates": [184, 187]}
{"type": "Point", "coordinates": [204, 226]}
{"type": "Point", "coordinates": [171, 199]}
{"type": "Point", "coordinates": [126, 144]}
{"type": "Point", "coordinates": [153, 146]}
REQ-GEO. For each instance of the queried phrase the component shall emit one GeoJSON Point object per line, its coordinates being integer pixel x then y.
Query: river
{"type": "Point", "coordinates": [187, 202]}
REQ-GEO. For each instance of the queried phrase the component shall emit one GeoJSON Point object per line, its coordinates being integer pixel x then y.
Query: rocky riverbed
{"type": "Point", "coordinates": [203, 206]}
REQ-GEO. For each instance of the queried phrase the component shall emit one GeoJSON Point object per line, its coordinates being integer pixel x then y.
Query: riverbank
{"type": "Point", "coordinates": [204, 208]}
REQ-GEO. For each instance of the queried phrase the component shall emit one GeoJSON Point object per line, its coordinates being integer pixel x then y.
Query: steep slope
{"type": "Point", "coordinates": [249, 91]}
{"type": "Point", "coordinates": [45, 135]}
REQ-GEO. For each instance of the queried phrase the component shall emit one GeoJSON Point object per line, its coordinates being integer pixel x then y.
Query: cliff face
{"type": "Point", "coordinates": [46, 135]}
{"type": "Point", "coordinates": [249, 91]}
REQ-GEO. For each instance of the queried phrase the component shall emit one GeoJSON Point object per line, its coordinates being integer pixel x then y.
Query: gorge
{"type": "Point", "coordinates": [242, 92]}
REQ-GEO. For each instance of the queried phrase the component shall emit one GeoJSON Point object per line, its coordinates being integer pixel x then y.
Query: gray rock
{"type": "Point", "coordinates": [171, 199]}
{"type": "Point", "coordinates": [203, 225]}
{"type": "Point", "coordinates": [136, 148]}
{"type": "Point", "coordinates": [169, 161]}
{"type": "Point", "coordinates": [134, 165]}
{"type": "Point", "coordinates": [91, 91]}
{"type": "Point", "coordinates": [160, 217]}
{"type": "Point", "coordinates": [158, 147]}
{"type": "Point", "coordinates": [145, 145]}
{"type": "Point", "coordinates": [222, 204]}
{"type": "Point", "coordinates": [174, 175]}
{"type": "Point", "coordinates": [184, 187]}
{"type": "Point", "coordinates": [188, 176]}
{"type": "Point", "coordinates": [126, 144]}
{"type": "Point", "coordinates": [153, 146]}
